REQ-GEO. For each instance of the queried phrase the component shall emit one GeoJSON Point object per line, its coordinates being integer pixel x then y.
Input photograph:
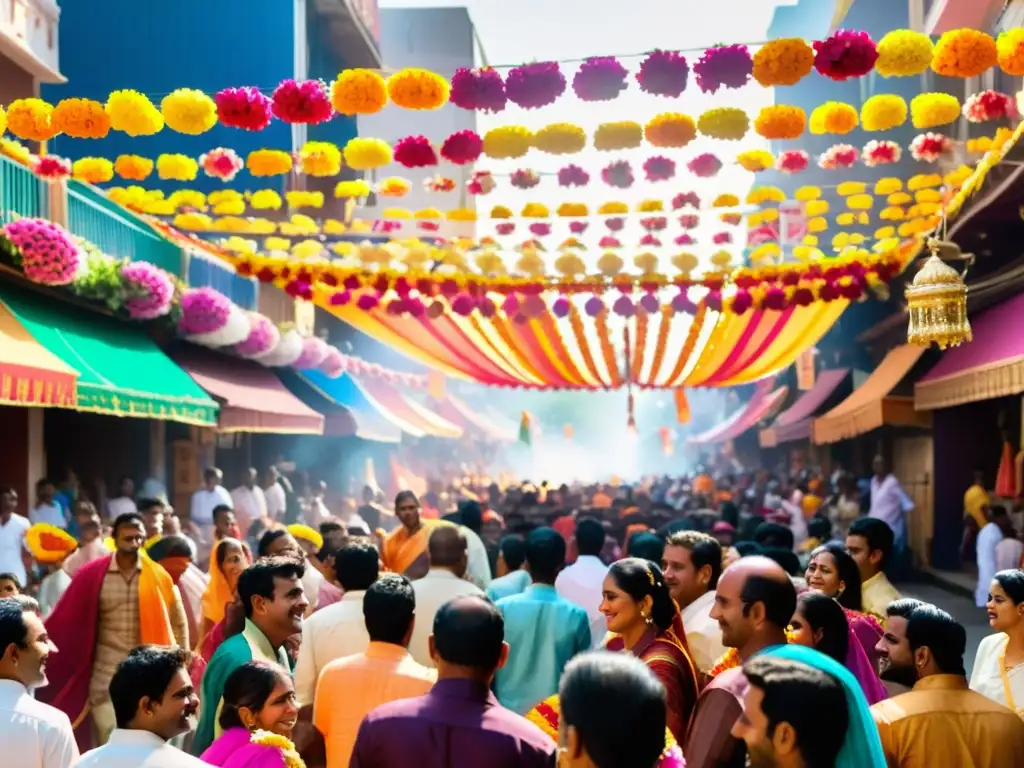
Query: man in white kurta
{"type": "Point", "coordinates": [988, 540]}
{"type": "Point", "coordinates": [890, 503]}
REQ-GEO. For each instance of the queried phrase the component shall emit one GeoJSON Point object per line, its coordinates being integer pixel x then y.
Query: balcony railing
{"type": "Point", "coordinates": [22, 193]}
{"type": "Point", "coordinates": [207, 271]}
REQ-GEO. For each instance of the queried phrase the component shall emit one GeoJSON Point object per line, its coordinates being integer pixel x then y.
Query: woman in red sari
{"type": "Point", "coordinates": [640, 612]}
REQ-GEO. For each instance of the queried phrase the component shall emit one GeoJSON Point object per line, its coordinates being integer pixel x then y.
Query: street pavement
{"type": "Point", "coordinates": [959, 607]}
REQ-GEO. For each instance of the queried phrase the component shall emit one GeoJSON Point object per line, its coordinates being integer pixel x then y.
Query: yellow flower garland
{"type": "Point", "coordinates": [300, 198]}
{"type": "Point", "coordinates": [560, 139]}
{"type": "Point", "coordinates": [785, 61]}
{"type": "Point", "coordinates": [266, 199]}
{"type": "Point", "coordinates": [727, 123]}
{"type": "Point", "coordinates": [359, 92]}
{"type": "Point", "coordinates": [3, 120]}
{"type": "Point", "coordinates": [414, 88]}
{"type": "Point", "coordinates": [320, 158]}
{"type": "Point", "coordinates": [928, 110]}
{"type": "Point", "coordinates": [1010, 51]}
{"type": "Point", "coordinates": [882, 112]}
{"type": "Point", "coordinates": [670, 130]}
{"type": "Point", "coordinates": [393, 186]}
{"type": "Point", "coordinates": [366, 154]}
{"type": "Point", "coordinates": [903, 52]}
{"type": "Point", "coordinates": [833, 117]}
{"type": "Point", "coordinates": [357, 188]}
{"type": "Point", "coordinates": [94, 170]}
{"type": "Point", "coordinates": [173, 167]}
{"type": "Point", "coordinates": [535, 211]}
{"type": "Point", "coordinates": [570, 210]}
{"type": "Point", "coordinates": [780, 121]}
{"type": "Point", "coordinates": [268, 162]}
{"type": "Point", "coordinates": [507, 142]}
{"type": "Point", "coordinates": [189, 111]}
{"type": "Point", "coordinates": [624, 134]}
{"type": "Point", "coordinates": [133, 113]}
{"type": "Point", "coordinates": [755, 160]}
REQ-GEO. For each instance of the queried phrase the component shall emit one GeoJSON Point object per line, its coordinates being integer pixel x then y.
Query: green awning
{"type": "Point", "coordinates": [121, 371]}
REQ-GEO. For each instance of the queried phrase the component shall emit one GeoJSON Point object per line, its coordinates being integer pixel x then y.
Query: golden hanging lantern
{"type": "Point", "coordinates": [937, 299]}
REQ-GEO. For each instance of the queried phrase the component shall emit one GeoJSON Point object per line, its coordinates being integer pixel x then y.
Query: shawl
{"type": "Point", "coordinates": [238, 748]}
{"type": "Point", "coordinates": [218, 592]}
{"type": "Point", "coordinates": [866, 629]}
{"type": "Point", "coordinates": [401, 550]}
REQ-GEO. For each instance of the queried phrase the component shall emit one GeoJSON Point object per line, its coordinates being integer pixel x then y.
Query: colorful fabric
{"type": "Point", "coordinates": [402, 549]}
{"type": "Point", "coordinates": [238, 748]}
{"type": "Point", "coordinates": [49, 544]}
{"type": "Point", "coordinates": [304, 532]}
{"type": "Point", "coordinates": [1006, 477]}
{"type": "Point", "coordinates": [218, 593]}
{"type": "Point", "coordinates": [867, 629]}
{"type": "Point", "coordinates": [975, 500]}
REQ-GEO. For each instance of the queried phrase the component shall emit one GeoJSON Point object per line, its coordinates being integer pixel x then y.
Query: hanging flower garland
{"type": "Point", "coordinates": [1010, 51]}
{"type": "Point", "coordinates": [780, 121]}
{"type": "Point", "coordinates": [221, 163]}
{"type": "Point", "coordinates": [726, 123]}
{"type": "Point", "coordinates": [266, 200]}
{"type": "Point", "coordinates": [356, 188]}
{"type": "Point", "coordinates": [724, 66]}
{"type": "Point", "coordinates": [532, 86]}
{"type": "Point", "coordinates": [320, 158]}
{"type": "Point", "coordinates": [150, 290]}
{"type": "Point", "coordinates": [478, 89]}
{"type": "Point", "coordinates": [462, 147]}
{"type": "Point", "coordinates": [133, 113]}
{"type": "Point", "coordinates": [525, 178]}
{"type": "Point", "coordinates": [618, 175]}
{"type": "Point", "coordinates": [833, 117]}
{"type": "Point", "coordinates": [903, 53]}
{"type": "Point", "coordinates": [670, 130]}
{"type": "Point", "coordinates": [438, 183]}
{"type": "Point", "coordinates": [419, 89]}
{"type": "Point", "coordinates": [663, 73]}
{"type": "Point", "coordinates": [93, 170]}
{"type": "Point", "coordinates": [792, 161]}
{"type": "Point", "coordinates": [80, 119]}
{"type": "Point", "coordinates": [881, 153]}
{"type": "Point", "coordinates": [481, 183]}
{"type": "Point", "coordinates": [508, 142]}
{"type": "Point", "coordinates": [929, 110]}
{"type": "Point", "coordinates": [573, 176]}
{"type": "Point", "coordinates": [133, 167]}
{"type": "Point", "coordinates": [306, 102]}
{"type": "Point", "coordinates": [883, 112]}
{"type": "Point", "coordinates": [263, 337]}
{"type": "Point", "coordinates": [245, 108]}
{"type": "Point", "coordinates": [785, 61]}
{"type": "Point", "coordinates": [625, 134]}
{"type": "Point", "coordinates": [705, 166]}
{"type": "Point", "coordinates": [845, 54]}
{"type": "Point", "coordinates": [49, 255]}
{"type": "Point", "coordinates": [189, 111]}
{"type": "Point", "coordinates": [560, 139]}
{"type": "Point", "coordinates": [659, 168]}
{"type": "Point", "coordinates": [52, 167]}
{"type": "Point", "coordinates": [964, 53]}
{"type": "Point", "coordinates": [358, 92]}
{"type": "Point", "coordinates": [601, 78]}
{"type": "Point", "coordinates": [755, 160]}
{"type": "Point", "coordinates": [415, 152]}
{"type": "Point", "coordinates": [990, 105]}
{"type": "Point", "coordinates": [367, 154]}
{"type": "Point", "coordinates": [838, 156]}
{"type": "Point", "coordinates": [269, 162]}
{"type": "Point", "coordinates": [393, 186]}
{"type": "Point", "coordinates": [929, 147]}
{"type": "Point", "coordinates": [31, 119]}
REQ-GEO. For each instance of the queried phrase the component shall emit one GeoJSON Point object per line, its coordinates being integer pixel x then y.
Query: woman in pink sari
{"type": "Point", "coordinates": [821, 623]}
{"type": "Point", "coordinates": [833, 572]}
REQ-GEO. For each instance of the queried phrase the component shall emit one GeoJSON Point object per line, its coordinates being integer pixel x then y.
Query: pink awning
{"type": "Point", "coordinates": [795, 422]}
{"type": "Point", "coordinates": [764, 404]}
{"type": "Point", "coordinates": [413, 416]}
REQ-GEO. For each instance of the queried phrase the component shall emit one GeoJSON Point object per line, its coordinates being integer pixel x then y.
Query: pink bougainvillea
{"type": "Point", "coordinates": [203, 310]}
{"type": "Point", "coordinates": [49, 255]}
{"type": "Point", "coordinates": [150, 290]}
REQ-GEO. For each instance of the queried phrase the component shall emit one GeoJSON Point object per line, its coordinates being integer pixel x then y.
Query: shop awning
{"type": "Point", "coordinates": [253, 398]}
{"type": "Point", "coordinates": [472, 420]}
{"type": "Point", "coordinates": [361, 416]}
{"type": "Point", "coordinates": [990, 366]}
{"type": "Point", "coordinates": [764, 404]}
{"type": "Point", "coordinates": [411, 414]}
{"type": "Point", "coordinates": [29, 373]}
{"type": "Point", "coordinates": [795, 422]}
{"type": "Point", "coordinates": [872, 405]}
{"type": "Point", "coordinates": [121, 372]}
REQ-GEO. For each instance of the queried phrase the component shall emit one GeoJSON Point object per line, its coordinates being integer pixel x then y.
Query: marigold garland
{"type": "Point", "coordinates": [833, 117]}
{"type": "Point", "coordinates": [880, 153]}
{"type": "Point", "coordinates": [31, 119]}
{"type": "Point", "coordinates": [3, 120]}
{"type": "Point", "coordinates": [845, 54]}
{"type": "Point", "coordinates": [780, 121]}
{"type": "Point", "coordinates": [414, 88]}
{"type": "Point", "coordinates": [356, 188]}
{"type": "Point", "coordinates": [670, 130]}
{"type": "Point", "coordinates": [883, 111]}
{"type": "Point", "coordinates": [726, 123]}
{"type": "Point", "coordinates": [524, 178]}
{"type": "Point", "coordinates": [80, 119]}
{"type": "Point", "coordinates": [903, 53]}
{"type": "Point", "coordinates": [723, 66]}
{"type": "Point", "coordinates": [560, 139]}
{"type": "Point", "coordinates": [478, 89]}
{"type": "Point", "coordinates": [189, 111]}
{"type": "Point", "coordinates": [358, 92]}
{"type": "Point", "coordinates": [964, 53]}
{"type": "Point", "coordinates": [266, 200]}
{"type": "Point", "coordinates": [301, 198]}
{"type": "Point", "coordinates": [174, 167]}
{"type": "Point", "coordinates": [785, 61]}
{"type": "Point", "coordinates": [269, 162]}
{"type": "Point", "coordinates": [625, 134]}
{"type": "Point", "coordinates": [1010, 51]}
{"type": "Point", "coordinates": [366, 154]}
{"type": "Point", "coordinates": [415, 152]}
{"type": "Point", "coordinates": [133, 167]}
{"type": "Point", "coordinates": [133, 113]}
{"type": "Point", "coordinates": [507, 142]}
{"type": "Point", "coordinates": [320, 158]}
{"type": "Point", "coordinates": [755, 160]}
{"type": "Point", "coordinates": [928, 110]}
{"type": "Point", "coordinates": [94, 170]}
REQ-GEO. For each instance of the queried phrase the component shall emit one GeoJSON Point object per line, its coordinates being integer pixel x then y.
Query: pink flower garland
{"type": "Point", "coordinates": [462, 147]}
{"type": "Point", "coordinates": [478, 89]}
{"type": "Point", "coordinates": [880, 153]}
{"type": "Point", "coordinates": [263, 337]}
{"type": "Point", "coordinates": [306, 102]}
{"type": "Point", "coordinates": [221, 163]}
{"type": "Point", "coordinates": [601, 78]}
{"type": "Point", "coordinates": [725, 66]}
{"type": "Point", "coordinates": [686, 199]}
{"type": "Point", "coordinates": [664, 73]}
{"type": "Point", "coordinates": [838, 156]}
{"type": "Point", "coordinates": [203, 310]}
{"type": "Point", "coordinates": [618, 175]}
{"type": "Point", "coordinates": [524, 178]}
{"type": "Point", "coordinates": [52, 168]}
{"type": "Point", "coordinates": [314, 350]}
{"type": "Point", "coordinates": [532, 86]}
{"type": "Point", "coordinates": [929, 147]}
{"type": "Point", "coordinates": [333, 364]}
{"type": "Point", "coordinates": [49, 256]}
{"type": "Point", "coordinates": [845, 54]}
{"type": "Point", "coordinates": [705, 166]}
{"type": "Point", "coordinates": [989, 105]}
{"type": "Point", "coordinates": [415, 152]}
{"type": "Point", "coordinates": [573, 176]}
{"type": "Point", "coordinates": [792, 161]}
{"type": "Point", "coordinates": [245, 108]}
{"type": "Point", "coordinates": [659, 168]}
{"type": "Point", "coordinates": [481, 183]}
{"type": "Point", "coordinates": [150, 289]}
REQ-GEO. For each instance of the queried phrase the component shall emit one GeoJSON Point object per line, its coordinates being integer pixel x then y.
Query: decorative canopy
{"type": "Point", "coordinates": [795, 422]}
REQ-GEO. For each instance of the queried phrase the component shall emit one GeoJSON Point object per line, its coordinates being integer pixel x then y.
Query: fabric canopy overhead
{"type": "Point", "coordinates": [364, 419]}
{"type": "Point", "coordinates": [763, 404]}
{"type": "Point", "coordinates": [411, 415]}
{"type": "Point", "coordinates": [795, 422]}
{"type": "Point", "coordinates": [121, 372]}
{"type": "Point", "coordinates": [254, 398]}
{"type": "Point", "coordinates": [472, 421]}
{"type": "Point", "coordinates": [30, 374]}
{"type": "Point", "coordinates": [990, 366]}
{"type": "Point", "coordinates": [871, 405]}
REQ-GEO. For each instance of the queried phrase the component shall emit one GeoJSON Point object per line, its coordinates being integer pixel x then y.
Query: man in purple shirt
{"type": "Point", "coordinates": [460, 722]}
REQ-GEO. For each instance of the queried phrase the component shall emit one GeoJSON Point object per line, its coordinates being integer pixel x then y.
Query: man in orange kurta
{"type": "Point", "coordinates": [404, 550]}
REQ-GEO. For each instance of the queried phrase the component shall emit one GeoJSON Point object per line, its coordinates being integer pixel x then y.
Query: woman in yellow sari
{"type": "Point", "coordinates": [227, 561]}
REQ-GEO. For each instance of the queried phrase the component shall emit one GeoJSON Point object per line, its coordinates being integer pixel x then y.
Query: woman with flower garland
{"type": "Point", "coordinates": [258, 714]}
{"type": "Point", "coordinates": [833, 572]}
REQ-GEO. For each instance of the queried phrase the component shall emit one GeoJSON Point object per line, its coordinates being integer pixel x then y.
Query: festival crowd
{"type": "Point", "coordinates": [708, 621]}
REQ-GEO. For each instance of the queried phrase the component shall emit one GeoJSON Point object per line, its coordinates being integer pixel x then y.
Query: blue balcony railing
{"type": "Point", "coordinates": [207, 271]}
{"type": "Point", "coordinates": [22, 193]}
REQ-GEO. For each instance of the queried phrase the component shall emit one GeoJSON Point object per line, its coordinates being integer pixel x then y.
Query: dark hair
{"type": "Point", "coordinates": [1011, 582]}
{"type": "Point", "coordinates": [825, 614]}
{"type": "Point", "coordinates": [639, 578]}
{"type": "Point", "coordinates": [545, 554]}
{"type": "Point", "coordinates": [748, 548]}
{"type": "Point", "coordinates": [903, 607]}
{"type": "Point", "coordinates": [388, 608]}
{"type": "Point", "coordinates": [704, 551]}
{"type": "Point", "coordinates": [932, 628]}
{"type": "Point", "coordinates": [821, 528]}
{"type": "Point", "coordinates": [220, 509]}
{"type": "Point", "coordinates": [249, 686]}
{"type": "Point", "coordinates": [513, 550]}
{"type": "Point", "coordinates": [997, 510]}
{"type": "Point", "coordinates": [13, 628]}
{"type": "Point", "coordinates": [647, 546]}
{"type": "Point", "coordinates": [268, 538]}
{"type": "Point", "coordinates": [212, 472]}
{"type": "Point", "coordinates": [774, 535]}
{"type": "Point", "coordinates": [471, 515]}
{"type": "Point", "coordinates": [330, 526]}
{"type": "Point", "coordinates": [145, 505]}
{"type": "Point", "coordinates": [7, 576]}
{"type": "Point", "coordinates": [469, 631]}
{"type": "Point", "coordinates": [778, 596]}
{"type": "Point", "coordinates": [786, 558]}
{"type": "Point", "coordinates": [404, 496]}
{"type": "Point", "coordinates": [357, 564]}
{"type": "Point", "coordinates": [848, 572]}
{"type": "Point", "coordinates": [145, 673]}
{"type": "Point", "coordinates": [876, 533]}
{"type": "Point", "coordinates": [603, 695]}
{"type": "Point", "coordinates": [258, 578]}
{"type": "Point", "coordinates": [128, 518]}
{"type": "Point", "coordinates": [799, 694]}
{"type": "Point", "coordinates": [173, 545]}
{"type": "Point", "coordinates": [589, 536]}
{"type": "Point", "coordinates": [222, 549]}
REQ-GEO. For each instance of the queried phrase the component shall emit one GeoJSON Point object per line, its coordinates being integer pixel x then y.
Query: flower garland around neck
{"type": "Point", "coordinates": [731, 659]}
{"type": "Point", "coordinates": [288, 754]}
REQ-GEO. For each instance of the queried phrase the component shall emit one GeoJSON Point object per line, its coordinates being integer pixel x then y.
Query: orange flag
{"type": "Point", "coordinates": [682, 406]}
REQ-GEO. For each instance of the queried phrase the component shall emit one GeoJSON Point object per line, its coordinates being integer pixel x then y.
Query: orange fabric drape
{"type": "Point", "coordinates": [156, 596]}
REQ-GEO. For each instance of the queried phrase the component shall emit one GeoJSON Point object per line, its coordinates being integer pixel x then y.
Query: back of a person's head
{"type": "Point", "coordinates": [174, 545]}
{"type": "Point", "coordinates": [704, 549]}
{"type": "Point", "coordinates": [812, 702]}
{"type": "Point", "coordinates": [388, 608]}
{"type": "Point", "coordinates": [932, 628]}
{"type": "Point", "coordinates": [469, 632]}
{"type": "Point", "coordinates": [604, 695]}
{"type": "Point", "coordinates": [447, 546]}
{"type": "Point", "coordinates": [647, 546]}
{"type": "Point", "coordinates": [825, 615]}
{"type": "Point", "coordinates": [258, 578]}
{"type": "Point", "coordinates": [471, 514]}
{"type": "Point", "coordinates": [589, 536]}
{"type": "Point", "coordinates": [877, 533]}
{"type": "Point", "coordinates": [513, 551]}
{"type": "Point", "coordinates": [903, 608]}
{"type": "Point", "coordinates": [267, 540]}
{"type": "Point", "coordinates": [786, 558]}
{"type": "Point", "coordinates": [545, 553]}
{"type": "Point", "coordinates": [146, 672]}
{"type": "Point", "coordinates": [777, 595]}
{"type": "Point", "coordinates": [821, 529]}
{"type": "Point", "coordinates": [748, 548]}
{"type": "Point", "coordinates": [774, 535]}
{"type": "Point", "coordinates": [357, 564]}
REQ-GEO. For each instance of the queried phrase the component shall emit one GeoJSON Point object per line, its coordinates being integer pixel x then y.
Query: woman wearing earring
{"type": "Point", "coordinates": [833, 572]}
{"type": "Point", "coordinates": [999, 666]}
{"type": "Point", "coordinates": [258, 714]}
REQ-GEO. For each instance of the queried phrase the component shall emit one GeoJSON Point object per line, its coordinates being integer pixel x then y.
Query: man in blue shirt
{"type": "Point", "coordinates": [543, 631]}
{"type": "Point", "coordinates": [512, 577]}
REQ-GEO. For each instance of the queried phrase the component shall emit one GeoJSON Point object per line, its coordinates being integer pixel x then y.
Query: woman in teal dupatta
{"type": "Point", "coordinates": [863, 747]}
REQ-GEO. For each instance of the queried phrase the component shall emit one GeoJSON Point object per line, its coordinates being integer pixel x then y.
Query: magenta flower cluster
{"type": "Point", "coordinates": [725, 66]}
{"type": "Point", "coordinates": [846, 54]}
{"type": "Point", "coordinates": [150, 290]}
{"type": "Point", "coordinates": [415, 152]}
{"type": "Point", "coordinates": [532, 86]}
{"type": "Point", "coordinates": [49, 255]}
{"type": "Point", "coordinates": [306, 102]}
{"type": "Point", "coordinates": [601, 78]}
{"type": "Point", "coordinates": [203, 310]}
{"type": "Point", "coordinates": [263, 337]}
{"type": "Point", "coordinates": [478, 89]}
{"type": "Point", "coordinates": [462, 147]}
{"type": "Point", "coordinates": [618, 175]}
{"type": "Point", "coordinates": [333, 364]}
{"type": "Point", "coordinates": [573, 176]}
{"type": "Point", "coordinates": [664, 73]}
{"type": "Point", "coordinates": [705, 166]}
{"type": "Point", "coordinates": [246, 108]}
{"type": "Point", "coordinates": [314, 350]}
{"type": "Point", "coordinates": [659, 168]}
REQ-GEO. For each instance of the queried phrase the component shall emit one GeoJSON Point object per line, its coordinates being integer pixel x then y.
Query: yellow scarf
{"type": "Point", "coordinates": [156, 597]}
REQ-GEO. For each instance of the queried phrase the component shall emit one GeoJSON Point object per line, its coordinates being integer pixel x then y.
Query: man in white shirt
{"type": "Point", "coordinates": [471, 518]}
{"type": "Point", "coordinates": [274, 495]}
{"type": "Point", "coordinates": [47, 510]}
{"type": "Point", "coordinates": [154, 702]}
{"type": "Point", "coordinates": [446, 579]}
{"type": "Point", "coordinates": [989, 537]}
{"type": "Point", "coordinates": [32, 734]}
{"type": "Point", "coordinates": [692, 563]}
{"type": "Point", "coordinates": [889, 502]}
{"type": "Point", "coordinates": [338, 629]}
{"type": "Point", "coordinates": [582, 582]}
{"type": "Point", "coordinates": [204, 502]}
{"type": "Point", "coordinates": [124, 502]}
{"type": "Point", "coordinates": [12, 537]}
{"type": "Point", "coordinates": [249, 501]}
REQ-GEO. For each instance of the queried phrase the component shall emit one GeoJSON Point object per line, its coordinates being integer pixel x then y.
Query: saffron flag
{"type": "Point", "coordinates": [682, 406]}
{"type": "Point", "coordinates": [524, 429]}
